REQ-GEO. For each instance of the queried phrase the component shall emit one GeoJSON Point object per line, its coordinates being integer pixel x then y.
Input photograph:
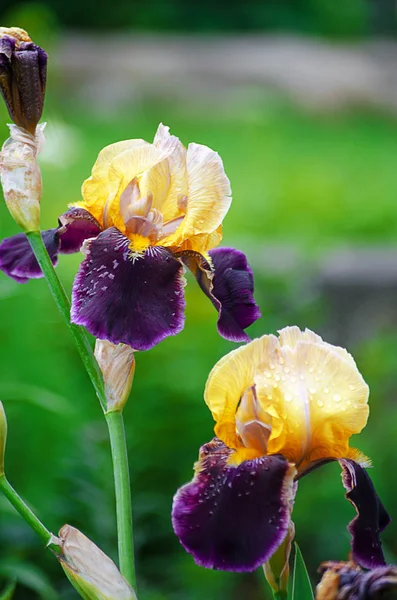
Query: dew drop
{"type": "Point", "coordinates": [288, 398]}
{"type": "Point", "coordinates": [320, 403]}
{"type": "Point", "coordinates": [326, 390]}
{"type": "Point", "coordinates": [312, 390]}
{"type": "Point", "coordinates": [352, 387]}
{"type": "Point", "coordinates": [286, 370]}
{"type": "Point", "coordinates": [337, 398]}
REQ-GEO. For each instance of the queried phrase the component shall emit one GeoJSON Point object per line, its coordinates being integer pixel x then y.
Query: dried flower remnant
{"type": "Point", "coordinates": [117, 363]}
{"type": "Point", "coordinates": [149, 211]}
{"type": "Point", "coordinates": [347, 581]}
{"type": "Point", "coordinates": [93, 574]}
{"type": "Point", "coordinates": [282, 406]}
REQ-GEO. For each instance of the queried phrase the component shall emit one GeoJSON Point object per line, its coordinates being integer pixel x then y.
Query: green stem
{"type": "Point", "coordinates": [114, 419]}
{"type": "Point", "coordinates": [115, 423]}
{"type": "Point", "coordinates": [62, 301]}
{"type": "Point", "coordinates": [280, 595]}
{"type": "Point", "coordinates": [27, 515]}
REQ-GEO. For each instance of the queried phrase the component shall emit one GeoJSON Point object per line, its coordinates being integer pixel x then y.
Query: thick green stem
{"type": "Point", "coordinates": [79, 334]}
{"type": "Point", "coordinates": [123, 495]}
{"type": "Point", "coordinates": [27, 515]}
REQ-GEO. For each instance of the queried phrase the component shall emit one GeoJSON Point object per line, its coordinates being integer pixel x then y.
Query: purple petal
{"type": "Point", "coordinates": [371, 517]}
{"type": "Point", "coordinates": [17, 259]}
{"type": "Point", "coordinates": [234, 289]}
{"type": "Point", "coordinates": [230, 287]}
{"type": "Point", "coordinates": [75, 226]}
{"type": "Point", "coordinates": [138, 301]}
{"type": "Point", "coordinates": [234, 518]}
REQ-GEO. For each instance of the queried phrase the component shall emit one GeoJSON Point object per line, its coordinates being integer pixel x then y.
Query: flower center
{"type": "Point", "coordinates": [144, 225]}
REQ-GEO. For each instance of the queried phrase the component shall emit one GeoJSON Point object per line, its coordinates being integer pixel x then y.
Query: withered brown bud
{"type": "Point", "coordinates": [347, 581]}
{"type": "Point", "coordinates": [23, 70]}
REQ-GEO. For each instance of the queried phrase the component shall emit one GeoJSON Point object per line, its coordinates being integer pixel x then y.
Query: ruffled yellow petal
{"type": "Point", "coordinates": [228, 381]}
{"type": "Point", "coordinates": [168, 180]}
{"type": "Point", "coordinates": [95, 189]}
{"type": "Point", "coordinates": [208, 195]}
{"type": "Point", "coordinates": [316, 396]}
{"type": "Point", "coordinates": [203, 242]}
{"type": "Point", "coordinates": [308, 393]}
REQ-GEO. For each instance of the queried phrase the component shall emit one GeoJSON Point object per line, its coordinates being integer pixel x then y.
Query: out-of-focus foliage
{"type": "Point", "coordinates": [310, 182]}
{"type": "Point", "coordinates": [322, 17]}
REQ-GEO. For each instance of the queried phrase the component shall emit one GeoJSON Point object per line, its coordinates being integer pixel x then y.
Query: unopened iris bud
{"type": "Point", "coordinates": [276, 569]}
{"type": "Point", "coordinates": [23, 70]}
{"type": "Point", "coordinates": [93, 574]}
{"type": "Point", "coordinates": [21, 176]}
{"type": "Point", "coordinates": [3, 437]}
{"type": "Point", "coordinates": [117, 364]}
{"type": "Point", "coordinates": [347, 581]}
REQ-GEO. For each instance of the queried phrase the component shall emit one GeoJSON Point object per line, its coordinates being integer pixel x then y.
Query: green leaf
{"type": "Point", "coordinates": [8, 591]}
{"type": "Point", "coordinates": [30, 576]}
{"type": "Point", "coordinates": [36, 395]}
{"type": "Point", "coordinates": [301, 586]}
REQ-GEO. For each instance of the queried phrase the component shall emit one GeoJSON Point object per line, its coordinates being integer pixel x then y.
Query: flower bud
{"type": "Point", "coordinates": [21, 177]}
{"type": "Point", "coordinates": [23, 70]}
{"type": "Point", "coordinates": [276, 569]}
{"type": "Point", "coordinates": [117, 364]}
{"type": "Point", "coordinates": [342, 581]}
{"type": "Point", "coordinates": [3, 437]}
{"type": "Point", "coordinates": [93, 574]}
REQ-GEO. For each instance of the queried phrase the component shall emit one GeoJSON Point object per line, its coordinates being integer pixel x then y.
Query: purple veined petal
{"type": "Point", "coordinates": [229, 284]}
{"type": "Point", "coordinates": [233, 518]}
{"type": "Point", "coordinates": [135, 301]}
{"type": "Point", "coordinates": [17, 259]}
{"type": "Point", "coordinates": [371, 518]}
{"type": "Point", "coordinates": [75, 226]}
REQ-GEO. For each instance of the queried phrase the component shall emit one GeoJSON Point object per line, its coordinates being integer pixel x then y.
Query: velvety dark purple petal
{"type": "Point", "coordinates": [229, 284]}
{"type": "Point", "coordinates": [230, 517]}
{"type": "Point", "coordinates": [371, 517]}
{"type": "Point", "coordinates": [17, 259]}
{"type": "Point", "coordinates": [234, 289]}
{"type": "Point", "coordinates": [75, 226]}
{"type": "Point", "coordinates": [136, 301]}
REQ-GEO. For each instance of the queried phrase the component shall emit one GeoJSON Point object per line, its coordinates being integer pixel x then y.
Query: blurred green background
{"type": "Point", "coordinates": [305, 182]}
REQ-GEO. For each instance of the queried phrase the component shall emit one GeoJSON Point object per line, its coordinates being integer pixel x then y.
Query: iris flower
{"type": "Point", "coordinates": [148, 211]}
{"type": "Point", "coordinates": [282, 406]}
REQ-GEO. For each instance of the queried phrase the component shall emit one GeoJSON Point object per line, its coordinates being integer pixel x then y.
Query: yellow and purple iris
{"type": "Point", "coordinates": [282, 406]}
{"type": "Point", "coordinates": [149, 211]}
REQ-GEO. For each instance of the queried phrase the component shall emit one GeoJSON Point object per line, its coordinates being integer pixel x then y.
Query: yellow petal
{"type": "Point", "coordinates": [228, 381]}
{"type": "Point", "coordinates": [202, 243]}
{"type": "Point", "coordinates": [316, 396]}
{"type": "Point", "coordinates": [175, 168]}
{"type": "Point", "coordinates": [311, 395]}
{"type": "Point", "coordinates": [95, 189]}
{"type": "Point", "coordinates": [208, 196]}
